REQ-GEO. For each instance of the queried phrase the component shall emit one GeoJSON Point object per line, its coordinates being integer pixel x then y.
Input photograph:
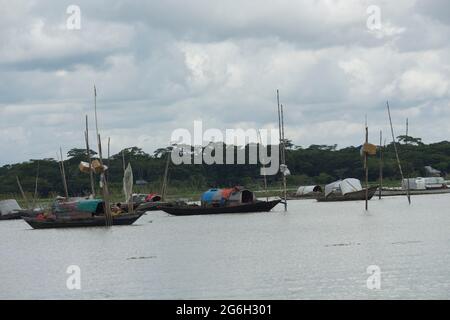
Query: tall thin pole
{"type": "Point", "coordinates": [406, 144]}
{"type": "Point", "coordinates": [381, 165]}
{"type": "Point", "coordinates": [366, 167]}
{"type": "Point", "coordinates": [63, 173]}
{"type": "Point", "coordinates": [104, 184]}
{"type": "Point", "coordinates": [23, 193]}
{"type": "Point", "coordinates": [284, 159]}
{"type": "Point", "coordinates": [166, 172]}
{"type": "Point", "coordinates": [264, 168]}
{"type": "Point", "coordinates": [123, 160]}
{"type": "Point", "coordinates": [88, 153]}
{"type": "Point", "coordinates": [396, 151]}
{"type": "Point", "coordinates": [36, 186]}
{"type": "Point", "coordinates": [406, 130]}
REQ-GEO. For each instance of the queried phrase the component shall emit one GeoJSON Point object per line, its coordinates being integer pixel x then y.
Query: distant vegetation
{"type": "Point", "coordinates": [317, 164]}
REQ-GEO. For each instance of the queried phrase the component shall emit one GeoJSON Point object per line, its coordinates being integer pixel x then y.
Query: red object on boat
{"type": "Point", "coordinates": [153, 197]}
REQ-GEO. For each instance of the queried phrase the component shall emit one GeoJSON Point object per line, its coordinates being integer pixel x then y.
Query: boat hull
{"type": "Point", "coordinates": [98, 221]}
{"type": "Point", "coordinates": [351, 196]}
{"type": "Point", "coordinates": [260, 206]}
{"type": "Point", "coordinates": [390, 193]}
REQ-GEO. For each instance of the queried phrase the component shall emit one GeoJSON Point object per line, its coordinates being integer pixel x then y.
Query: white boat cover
{"type": "Point", "coordinates": [343, 186]}
{"type": "Point", "coordinates": [304, 190]}
{"type": "Point", "coordinates": [8, 206]}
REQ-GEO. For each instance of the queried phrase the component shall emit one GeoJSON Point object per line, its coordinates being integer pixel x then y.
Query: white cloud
{"type": "Point", "coordinates": [160, 65]}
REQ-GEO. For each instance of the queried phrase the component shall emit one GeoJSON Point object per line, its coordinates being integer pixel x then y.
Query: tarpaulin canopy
{"type": "Point", "coordinates": [228, 195]}
{"type": "Point", "coordinates": [343, 186]}
{"type": "Point", "coordinates": [304, 190]}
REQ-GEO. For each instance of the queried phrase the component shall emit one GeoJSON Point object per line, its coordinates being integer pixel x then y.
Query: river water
{"type": "Point", "coordinates": [313, 251]}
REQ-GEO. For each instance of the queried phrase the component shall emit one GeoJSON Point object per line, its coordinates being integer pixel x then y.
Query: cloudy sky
{"type": "Point", "coordinates": [161, 65]}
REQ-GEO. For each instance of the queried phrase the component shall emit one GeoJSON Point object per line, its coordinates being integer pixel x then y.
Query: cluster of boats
{"type": "Point", "coordinates": [89, 212]}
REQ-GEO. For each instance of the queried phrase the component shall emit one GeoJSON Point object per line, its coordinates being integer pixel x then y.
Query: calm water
{"type": "Point", "coordinates": [314, 251]}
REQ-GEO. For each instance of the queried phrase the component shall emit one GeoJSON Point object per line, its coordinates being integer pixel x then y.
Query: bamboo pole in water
{"type": "Point", "coordinates": [396, 151]}
{"type": "Point", "coordinates": [366, 167]}
{"type": "Point", "coordinates": [284, 159]}
{"type": "Point", "coordinates": [264, 168]}
{"type": "Point", "coordinates": [381, 165]}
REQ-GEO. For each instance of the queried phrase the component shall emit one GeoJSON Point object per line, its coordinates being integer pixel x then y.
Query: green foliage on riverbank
{"type": "Point", "coordinates": [317, 164]}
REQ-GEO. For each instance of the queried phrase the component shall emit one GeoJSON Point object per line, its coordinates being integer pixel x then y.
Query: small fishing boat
{"type": "Point", "coordinates": [220, 201]}
{"type": "Point", "coordinates": [192, 209]}
{"type": "Point", "coordinates": [95, 221]}
{"type": "Point", "coordinates": [75, 213]}
{"type": "Point", "coordinates": [346, 190]}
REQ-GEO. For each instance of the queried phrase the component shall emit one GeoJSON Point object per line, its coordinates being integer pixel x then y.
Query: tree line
{"type": "Point", "coordinates": [316, 164]}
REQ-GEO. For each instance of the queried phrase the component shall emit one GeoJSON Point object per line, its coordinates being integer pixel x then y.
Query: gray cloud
{"type": "Point", "coordinates": [159, 66]}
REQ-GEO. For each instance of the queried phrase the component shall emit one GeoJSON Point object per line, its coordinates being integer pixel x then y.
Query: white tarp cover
{"type": "Point", "coordinates": [350, 185]}
{"type": "Point", "coordinates": [334, 186]}
{"type": "Point", "coordinates": [128, 182]}
{"type": "Point", "coordinates": [304, 190]}
{"type": "Point", "coordinates": [8, 206]}
{"type": "Point", "coordinates": [344, 186]}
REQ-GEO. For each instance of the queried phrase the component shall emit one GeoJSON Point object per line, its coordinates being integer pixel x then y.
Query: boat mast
{"type": "Point", "coordinates": [63, 174]}
{"type": "Point", "coordinates": [103, 182]}
{"type": "Point", "coordinates": [166, 172]}
{"type": "Point", "coordinates": [396, 152]}
{"type": "Point", "coordinates": [88, 153]}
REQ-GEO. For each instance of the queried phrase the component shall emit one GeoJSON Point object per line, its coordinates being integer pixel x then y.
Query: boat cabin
{"type": "Point", "coordinates": [343, 186]}
{"type": "Point", "coordinates": [227, 197]}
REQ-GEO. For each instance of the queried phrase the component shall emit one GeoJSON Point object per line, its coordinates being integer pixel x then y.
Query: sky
{"type": "Point", "coordinates": [160, 65]}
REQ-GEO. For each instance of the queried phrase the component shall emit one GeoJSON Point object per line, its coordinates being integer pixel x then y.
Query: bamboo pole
{"type": "Point", "coordinates": [63, 173]}
{"type": "Point", "coordinates": [88, 153]}
{"type": "Point", "coordinates": [381, 165]}
{"type": "Point", "coordinates": [36, 187]}
{"type": "Point", "coordinates": [166, 171]}
{"type": "Point", "coordinates": [406, 146]}
{"type": "Point", "coordinates": [23, 193]}
{"type": "Point", "coordinates": [104, 184]}
{"type": "Point", "coordinates": [366, 167]}
{"type": "Point", "coordinates": [284, 159]}
{"type": "Point", "coordinates": [396, 151]}
{"type": "Point", "coordinates": [264, 168]}
{"type": "Point", "coordinates": [123, 160]}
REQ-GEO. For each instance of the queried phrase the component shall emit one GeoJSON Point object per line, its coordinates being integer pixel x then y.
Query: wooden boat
{"type": "Point", "coordinates": [95, 221]}
{"type": "Point", "coordinates": [387, 192]}
{"type": "Point", "coordinates": [80, 212]}
{"type": "Point", "coordinates": [187, 210]}
{"type": "Point", "coordinates": [350, 196]}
